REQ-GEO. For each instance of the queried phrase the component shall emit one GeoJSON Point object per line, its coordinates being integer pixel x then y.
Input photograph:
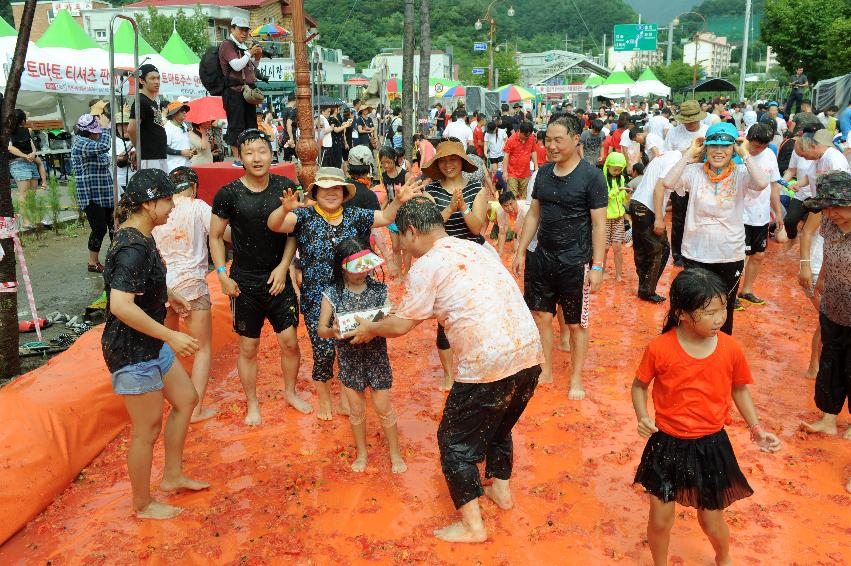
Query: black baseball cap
{"type": "Point", "coordinates": [149, 184]}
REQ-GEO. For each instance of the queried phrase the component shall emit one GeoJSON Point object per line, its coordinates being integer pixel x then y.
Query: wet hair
{"type": "Point", "coordinates": [420, 213]}
{"type": "Point", "coordinates": [344, 249]}
{"type": "Point", "coordinates": [359, 170]}
{"type": "Point", "coordinates": [691, 291]}
{"type": "Point", "coordinates": [832, 108]}
{"type": "Point", "coordinates": [567, 121]}
{"type": "Point", "coordinates": [597, 124]}
{"type": "Point", "coordinates": [460, 113]}
{"type": "Point", "coordinates": [762, 133]}
{"type": "Point", "coordinates": [526, 127]}
{"type": "Point", "coordinates": [387, 152]}
{"type": "Point", "coordinates": [541, 135]}
{"type": "Point", "coordinates": [183, 177]}
{"type": "Point", "coordinates": [250, 135]}
{"type": "Point", "coordinates": [638, 169]}
{"type": "Point", "coordinates": [634, 131]}
{"type": "Point", "coordinates": [666, 111]}
{"type": "Point", "coordinates": [125, 208]}
{"type": "Point", "coordinates": [507, 196]}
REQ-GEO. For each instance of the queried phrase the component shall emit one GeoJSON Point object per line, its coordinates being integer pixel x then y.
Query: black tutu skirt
{"type": "Point", "coordinates": [699, 472]}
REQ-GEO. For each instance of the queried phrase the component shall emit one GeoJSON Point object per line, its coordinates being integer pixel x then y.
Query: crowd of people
{"type": "Point", "coordinates": [560, 189]}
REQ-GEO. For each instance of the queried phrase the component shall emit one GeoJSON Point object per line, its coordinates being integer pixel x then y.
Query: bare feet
{"type": "Point", "coordinates": [724, 561]}
{"type": "Point", "coordinates": [848, 486]}
{"type": "Point", "coordinates": [825, 425]}
{"type": "Point", "coordinates": [202, 415]}
{"type": "Point", "coordinates": [298, 403]}
{"type": "Point", "coordinates": [448, 380]}
{"type": "Point", "coordinates": [182, 483]}
{"type": "Point", "coordinates": [546, 376]}
{"type": "Point", "coordinates": [459, 532]}
{"type": "Point", "coordinates": [324, 412]}
{"type": "Point", "coordinates": [359, 465]}
{"type": "Point", "coordinates": [252, 416]}
{"type": "Point", "coordinates": [563, 344]}
{"type": "Point", "coordinates": [158, 510]}
{"type": "Point", "coordinates": [343, 409]}
{"type": "Point", "coordinates": [398, 464]}
{"type": "Point", "coordinates": [576, 391]}
{"type": "Point", "coordinates": [500, 495]}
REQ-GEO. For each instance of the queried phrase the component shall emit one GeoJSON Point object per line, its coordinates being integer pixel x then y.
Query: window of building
{"type": "Point", "coordinates": [100, 35]}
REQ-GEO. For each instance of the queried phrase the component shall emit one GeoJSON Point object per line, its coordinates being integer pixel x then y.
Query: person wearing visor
{"type": "Point", "coordinates": [714, 230]}
{"type": "Point", "coordinates": [318, 229]}
{"type": "Point", "coordinates": [90, 161]}
{"type": "Point", "coordinates": [237, 62]}
{"type": "Point", "coordinates": [354, 290]}
{"type": "Point", "coordinates": [258, 283]}
{"type": "Point", "coordinates": [139, 349]}
{"type": "Point", "coordinates": [178, 147]}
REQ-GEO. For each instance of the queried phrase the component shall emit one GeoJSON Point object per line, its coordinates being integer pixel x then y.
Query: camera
{"type": "Point", "coordinates": [261, 76]}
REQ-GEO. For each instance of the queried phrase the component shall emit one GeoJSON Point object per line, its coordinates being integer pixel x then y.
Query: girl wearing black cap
{"type": "Point", "coordinates": [139, 350]}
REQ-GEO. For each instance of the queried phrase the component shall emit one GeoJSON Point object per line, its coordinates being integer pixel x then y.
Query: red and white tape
{"type": "Point", "coordinates": [9, 229]}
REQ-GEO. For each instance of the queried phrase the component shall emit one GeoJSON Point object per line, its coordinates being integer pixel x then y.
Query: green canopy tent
{"type": "Point", "coordinates": [65, 32]}
{"type": "Point", "coordinates": [123, 39]}
{"type": "Point", "coordinates": [6, 30]}
{"type": "Point", "coordinates": [594, 80]}
{"type": "Point", "coordinates": [176, 51]}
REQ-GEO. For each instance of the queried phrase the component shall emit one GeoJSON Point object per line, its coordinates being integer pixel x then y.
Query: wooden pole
{"type": "Point", "coordinates": [306, 147]}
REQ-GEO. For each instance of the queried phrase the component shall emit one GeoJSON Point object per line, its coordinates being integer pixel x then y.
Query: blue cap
{"type": "Point", "coordinates": [772, 103]}
{"type": "Point", "coordinates": [721, 133]}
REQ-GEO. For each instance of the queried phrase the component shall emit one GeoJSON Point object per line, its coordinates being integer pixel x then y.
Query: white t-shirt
{"type": "Point", "coordinates": [177, 138]}
{"type": "Point", "coordinates": [781, 129]}
{"type": "Point", "coordinates": [680, 139]}
{"type": "Point", "coordinates": [459, 129]}
{"type": "Point", "coordinates": [658, 125]}
{"type": "Point", "coordinates": [182, 243]}
{"type": "Point", "coordinates": [468, 290]}
{"type": "Point", "coordinates": [495, 143]}
{"type": "Point", "coordinates": [326, 127]}
{"type": "Point", "coordinates": [802, 169]}
{"type": "Point", "coordinates": [710, 119]}
{"type": "Point", "coordinates": [758, 204]}
{"type": "Point", "coordinates": [652, 140]}
{"type": "Point", "coordinates": [655, 171]}
{"type": "Point", "coordinates": [714, 227]}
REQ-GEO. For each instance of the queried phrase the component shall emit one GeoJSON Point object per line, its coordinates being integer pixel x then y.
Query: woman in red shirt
{"type": "Point", "coordinates": [697, 371]}
{"type": "Point", "coordinates": [479, 135]}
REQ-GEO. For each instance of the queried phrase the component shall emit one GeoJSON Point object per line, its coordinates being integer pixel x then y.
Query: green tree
{"type": "Point", "coordinates": [192, 28]}
{"type": "Point", "coordinates": [809, 33]}
{"type": "Point", "coordinates": [506, 70]}
{"type": "Point", "coordinates": [6, 12]}
{"type": "Point", "coordinates": [677, 76]}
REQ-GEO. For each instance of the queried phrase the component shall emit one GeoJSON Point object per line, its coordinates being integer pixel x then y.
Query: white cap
{"type": "Point", "coordinates": [239, 21]}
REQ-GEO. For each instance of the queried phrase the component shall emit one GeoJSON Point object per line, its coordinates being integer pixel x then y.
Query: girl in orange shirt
{"type": "Point", "coordinates": [697, 372]}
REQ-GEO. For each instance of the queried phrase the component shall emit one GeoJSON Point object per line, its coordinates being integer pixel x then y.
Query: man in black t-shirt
{"type": "Point", "coordinates": [568, 213]}
{"type": "Point", "coordinates": [797, 82]}
{"type": "Point", "coordinates": [148, 123]}
{"type": "Point", "coordinates": [258, 285]}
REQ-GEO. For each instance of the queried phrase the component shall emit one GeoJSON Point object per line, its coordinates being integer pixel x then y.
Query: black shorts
{"type": "Point", "coordinates": [548, 282]}
{"type": "Point", "coordinates": [494, 160]}
{"type": "Point", "coordinates": [240, 114]}
{"type": "Point", "coordinates": [756, 239]}
{"type": "Point", "coordinates": [255, 305]}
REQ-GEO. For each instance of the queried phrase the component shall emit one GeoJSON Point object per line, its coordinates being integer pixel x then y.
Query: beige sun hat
{"type": "Point", "coordinates": [328, 177]}
{"type": "Point", "coordinates": [690, 111]}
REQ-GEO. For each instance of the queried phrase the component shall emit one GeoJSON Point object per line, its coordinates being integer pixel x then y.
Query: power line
{"type": "Point", "coordinates": [343, 27]}
{"type": "Point", "coordinates": [591, 35]}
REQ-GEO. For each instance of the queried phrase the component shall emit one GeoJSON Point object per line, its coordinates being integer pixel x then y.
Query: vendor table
{"type": "Point", "coordinates": [214, 176]}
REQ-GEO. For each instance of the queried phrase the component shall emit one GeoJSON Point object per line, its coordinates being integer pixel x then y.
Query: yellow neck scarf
{"type": "Point", "coordinates": [328, 216]}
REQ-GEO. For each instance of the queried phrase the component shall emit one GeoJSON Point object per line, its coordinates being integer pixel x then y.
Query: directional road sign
{"type": "Point", "coordinates": [480, 46]}
{"type": "Point", "coordinates": [478, 71]}
{"type": "Point", "coordinates": [636, 37]}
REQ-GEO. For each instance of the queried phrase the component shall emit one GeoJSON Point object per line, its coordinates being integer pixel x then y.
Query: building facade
{"type": "Point", "coordinates": [557, 67]}
{"type": "Point", "coordinates": [440, 64]}
{"type": "Point", "coordinates": [634, 59]}
{"type": "Point", "coordinates": [46, 11]}
{"type": "Point", "coordinates": [711, 52]}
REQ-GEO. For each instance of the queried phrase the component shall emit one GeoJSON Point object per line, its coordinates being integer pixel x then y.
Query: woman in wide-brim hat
{"type": "Point", "coordinates": [830, 217]}
{"type": "Point", "coordinates": [463, 204]}
{"type": "Point", "coordinates": [714, 231]}
{"type": "Point", "coordinates": [318, 228]}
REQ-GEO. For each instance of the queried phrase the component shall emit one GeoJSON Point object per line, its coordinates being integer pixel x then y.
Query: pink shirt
{"type": "Point", "coordinates": [467, 289]}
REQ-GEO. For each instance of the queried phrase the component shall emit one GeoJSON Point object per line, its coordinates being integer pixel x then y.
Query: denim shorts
{"type": "Point", "coordinates": [23, 170]}
{"type": "Point", "coordinates": [143, 377]}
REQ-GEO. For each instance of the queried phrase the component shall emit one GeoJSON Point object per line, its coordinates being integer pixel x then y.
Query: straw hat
{"type": "Point", "coordinates": [445, 149]}
{"type": "Point", "coordinates": [690, 111]}
{"type": "Point", "coordinates": [328, 177]}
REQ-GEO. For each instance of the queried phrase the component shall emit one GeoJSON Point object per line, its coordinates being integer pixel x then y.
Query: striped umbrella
{"type": "Point", "coordinates": [455, 91]}
{"type": "Point", "coordinates": [269, 30]}
{"type": "Point", "coordinates": [513, 93]}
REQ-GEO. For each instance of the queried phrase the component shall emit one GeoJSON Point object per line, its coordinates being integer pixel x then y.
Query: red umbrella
{"type": "Point", "coordinates": [205, 109]}
{"type": "Point", "coordinates": [394, 85]}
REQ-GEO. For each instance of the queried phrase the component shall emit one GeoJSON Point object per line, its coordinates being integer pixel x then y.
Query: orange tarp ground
{"type": "Point", "coordinates": [283, 493]}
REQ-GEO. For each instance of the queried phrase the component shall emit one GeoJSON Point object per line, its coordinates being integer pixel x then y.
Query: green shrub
{"type": "Point", "coordinates": [53, 202]}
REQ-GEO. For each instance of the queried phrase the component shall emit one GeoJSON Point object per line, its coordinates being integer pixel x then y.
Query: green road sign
{"type": "Point", "coordinates": [636, 37]}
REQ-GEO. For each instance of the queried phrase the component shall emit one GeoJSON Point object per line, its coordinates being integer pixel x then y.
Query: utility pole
{"type": "Point", "coordinates": [604, 49]}
{"type": "Point", "coordinates": [743, 68]}
{"type": "Point", "coordinates": [670, 43]}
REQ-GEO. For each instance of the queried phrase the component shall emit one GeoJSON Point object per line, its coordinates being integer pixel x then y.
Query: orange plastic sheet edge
{"type": "Point", "coordinates": [59, 417]}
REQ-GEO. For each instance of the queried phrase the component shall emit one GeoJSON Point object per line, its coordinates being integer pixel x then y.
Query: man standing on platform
{"type": "Point", "coordinates": [235, 59]}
